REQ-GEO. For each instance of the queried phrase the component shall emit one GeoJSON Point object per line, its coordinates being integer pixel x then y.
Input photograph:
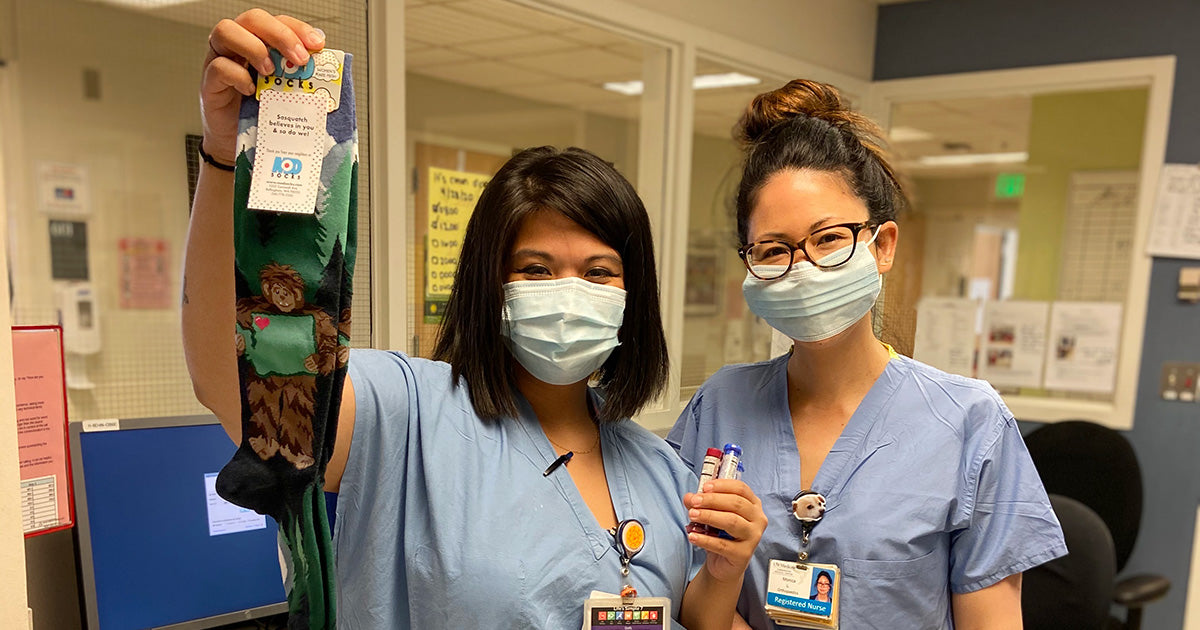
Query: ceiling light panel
{"type": "Point", "coordinates": [972, 159]}
{"type": "Point", "coordinates": [723, 80]}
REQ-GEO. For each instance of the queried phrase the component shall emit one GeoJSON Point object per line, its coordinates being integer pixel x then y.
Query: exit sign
{"type": "Point", "coordinates": [1010, 185]}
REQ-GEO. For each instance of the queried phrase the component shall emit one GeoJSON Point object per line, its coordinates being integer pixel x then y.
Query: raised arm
{"type": "Point", "coordinates": [210, 342]}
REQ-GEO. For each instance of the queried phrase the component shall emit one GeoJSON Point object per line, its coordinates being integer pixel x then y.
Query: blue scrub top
{"type": "Point", "coordinates": [444, 520]}
{"type": "Point", "coordinates": [929, 489]}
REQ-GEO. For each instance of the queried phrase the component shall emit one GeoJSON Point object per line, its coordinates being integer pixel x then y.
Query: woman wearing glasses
{"type": "Point", "coordinates": [914, 483]}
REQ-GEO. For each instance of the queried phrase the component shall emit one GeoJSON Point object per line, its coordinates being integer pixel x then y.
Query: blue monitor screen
{"type": "Point", "coordinates": [164, 548]}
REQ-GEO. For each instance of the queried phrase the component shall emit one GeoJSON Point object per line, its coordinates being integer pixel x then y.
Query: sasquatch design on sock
{"type": "Point", "coordinates": [293, 283]}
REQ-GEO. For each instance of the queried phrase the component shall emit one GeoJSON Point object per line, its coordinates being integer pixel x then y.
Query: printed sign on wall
{"type": "Point", "coordinates": [145, 282]}
{"type": "Point", "coordinates": [40, 387]}
{"type": "Point", "coordinates": [452, 197]}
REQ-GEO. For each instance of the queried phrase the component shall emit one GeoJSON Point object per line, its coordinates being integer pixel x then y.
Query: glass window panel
{"type": "Point", "coordinates": [718, 327]}
{"type": "Point", "coordinates": [107, 90]}
{"type": "Point", "coordinates": [1017, 198]}
{"type": "Point", "coordinates": [485, 79]}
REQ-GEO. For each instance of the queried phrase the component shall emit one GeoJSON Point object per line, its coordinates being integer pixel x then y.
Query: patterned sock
{"type": "Point", "coordinates": [293, 282]}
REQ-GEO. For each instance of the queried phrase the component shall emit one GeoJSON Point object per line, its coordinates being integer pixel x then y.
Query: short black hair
{"type": "Point", "coordinates": [589, 191]}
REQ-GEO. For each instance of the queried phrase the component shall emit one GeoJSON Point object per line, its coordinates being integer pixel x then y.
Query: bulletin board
{"type": "Point", "coordinates": [41, 396]}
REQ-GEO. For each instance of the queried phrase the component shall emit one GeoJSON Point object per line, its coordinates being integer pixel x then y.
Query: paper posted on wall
{"type": "Point", "coordinates": [1014, 343]}
{"type": "Point", "coordinates": [1175, 230]}
{"type": "Point", "coordinates": [945, 335]}
{"type": "Point", "coordinates": [1082, 351]}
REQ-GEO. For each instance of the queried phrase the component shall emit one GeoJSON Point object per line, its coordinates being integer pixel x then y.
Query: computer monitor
{"type": "Point", "coordinates": [158, 548]}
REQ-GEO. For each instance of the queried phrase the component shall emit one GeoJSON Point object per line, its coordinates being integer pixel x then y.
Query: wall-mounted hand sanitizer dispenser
{"type": "Point", "coordinates": [80, 317]}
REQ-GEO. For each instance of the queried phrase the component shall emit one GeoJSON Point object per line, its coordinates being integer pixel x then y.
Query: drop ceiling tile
{"type": "Point", "coordinates": [516, 15]}
{"type": "Point", "coordinates": [516, 46]}
{"type": "Point", "coordinates": [444, 25]}
{"type": "Point", "coordinates": [630, 50]}
{"type": "Point", "coordinates": [485, 74]}
{"type": "Point", "coordinates": [588, 63]}
{"type": "Point", "coordinates": [594, 36]}
{"type": "Point", "coordinates": [433, 56]}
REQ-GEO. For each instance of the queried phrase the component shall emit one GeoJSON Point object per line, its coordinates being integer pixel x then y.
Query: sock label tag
{"type": "Point", "coordinates": [322, 75]}
{"type": "Point", "coordinates": [288, 152]}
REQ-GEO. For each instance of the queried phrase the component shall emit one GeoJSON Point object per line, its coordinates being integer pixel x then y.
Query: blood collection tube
{"type": "Point", "coordinates": [729, 461]}
{"type": "Point", "coordinates": [708, 472]}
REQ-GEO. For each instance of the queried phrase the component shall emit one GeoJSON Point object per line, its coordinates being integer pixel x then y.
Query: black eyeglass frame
{"type": "Point", "coordinates": [855, 229]}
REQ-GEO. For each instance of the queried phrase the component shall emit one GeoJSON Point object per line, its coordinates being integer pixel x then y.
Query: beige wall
{"type": "Point", "coordinates": [838, 34]}
{"type": "Point", "coordinates": [131, 140]}
{"type": "Point", "coordinates": [13, 605]}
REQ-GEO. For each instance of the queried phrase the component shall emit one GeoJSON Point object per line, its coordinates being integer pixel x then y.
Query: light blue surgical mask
{"type": "Point", "coordinates": [814, 304]}
{"type": "Point", "coordinates": [562, 330]}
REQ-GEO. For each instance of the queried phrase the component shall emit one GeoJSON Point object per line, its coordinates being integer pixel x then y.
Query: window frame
{"type": "Point", "coordinates": [1156, 74]}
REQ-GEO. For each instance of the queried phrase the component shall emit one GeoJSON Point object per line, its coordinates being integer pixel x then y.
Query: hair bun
{"type": "Point", "coordinates": [800, 97]}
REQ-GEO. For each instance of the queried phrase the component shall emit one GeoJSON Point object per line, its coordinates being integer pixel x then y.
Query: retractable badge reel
{"type": "Point", "coordinates": [802, 594]}
{"type": "Point", "coordinates": [627, 610]}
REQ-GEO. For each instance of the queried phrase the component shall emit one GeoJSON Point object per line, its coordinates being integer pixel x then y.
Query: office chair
{"type": "Point", "coordinates": [1072, 592]}
{"type": "Point", "coordinates": [1096, 466]}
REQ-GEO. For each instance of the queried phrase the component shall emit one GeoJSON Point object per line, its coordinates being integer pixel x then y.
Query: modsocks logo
{"type": "Point", "coordinates": [286, 167]}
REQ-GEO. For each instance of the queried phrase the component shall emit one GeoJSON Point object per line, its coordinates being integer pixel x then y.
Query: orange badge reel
{"type": "Point", "coordinates": [627, 610]}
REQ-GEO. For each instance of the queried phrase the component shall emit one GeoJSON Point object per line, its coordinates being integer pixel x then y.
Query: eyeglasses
{"type": "Point", "coordinates": [828, 247]}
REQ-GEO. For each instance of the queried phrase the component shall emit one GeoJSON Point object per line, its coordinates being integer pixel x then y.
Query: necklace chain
{"type": "Point", "coordinates": [594, 444]}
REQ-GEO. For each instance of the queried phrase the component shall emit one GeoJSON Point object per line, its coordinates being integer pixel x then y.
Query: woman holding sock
{"type": "Point", "coordinates": [914, 483]}
{"type": "Point", "coordinates": [494, 480]}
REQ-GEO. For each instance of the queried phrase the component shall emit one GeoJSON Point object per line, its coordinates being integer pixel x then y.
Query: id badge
{"type": "Point", "coordinates": [803, 595]}
{"type": "Point", "coordinates": [604, 612]}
